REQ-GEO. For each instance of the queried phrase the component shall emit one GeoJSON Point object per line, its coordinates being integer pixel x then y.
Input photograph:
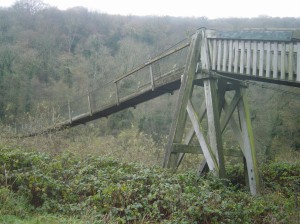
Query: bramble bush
{"type": "Point", "coordinates": [116, 192]}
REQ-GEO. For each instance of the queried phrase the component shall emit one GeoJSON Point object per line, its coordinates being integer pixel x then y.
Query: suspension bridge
{"type": "Point", "coordinates": [219, 62]}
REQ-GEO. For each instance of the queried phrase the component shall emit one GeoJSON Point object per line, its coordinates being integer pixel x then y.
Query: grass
{"type": "Point", "coordinates": [38, 219]}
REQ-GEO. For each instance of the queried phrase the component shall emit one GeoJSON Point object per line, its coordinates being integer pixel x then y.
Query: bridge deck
{"type": "Point", "coordinates": [262, 56]}
{"type": "Point", "coordinates": [167, 83]}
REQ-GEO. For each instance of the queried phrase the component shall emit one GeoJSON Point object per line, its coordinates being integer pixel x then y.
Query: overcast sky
{"type": "Point", "coordinates": [186, 8]}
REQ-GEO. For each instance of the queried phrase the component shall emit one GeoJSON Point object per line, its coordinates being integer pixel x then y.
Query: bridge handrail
{"type": "Point", "coordinates": [274, 57]}
{"type": "Point", "coordinates": [145, 76]}
{"type": "Point", "coordinates": [270, 55]}
{"type": "Point", "coordinates": [157, 58]}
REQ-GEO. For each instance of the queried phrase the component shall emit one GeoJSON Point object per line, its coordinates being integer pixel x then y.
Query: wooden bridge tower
{"type": "Point", "coordinates": [219, 114]}
{"type": "Point", "coordinates": [218, 61]}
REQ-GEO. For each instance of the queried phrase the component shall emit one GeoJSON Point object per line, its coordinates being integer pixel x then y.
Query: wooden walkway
{"type": "Point", "coordinates": [266, 56]}
{"type": "Point", "coordinates": [269, 56]}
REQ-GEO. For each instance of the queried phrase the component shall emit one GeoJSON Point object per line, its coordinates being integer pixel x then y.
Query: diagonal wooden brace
{"type": "Point", "coordinates": [185, 92]}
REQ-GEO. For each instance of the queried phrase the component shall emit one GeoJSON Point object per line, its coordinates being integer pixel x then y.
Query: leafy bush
{"type": "Point", "coordinates": [284, 178]}
{"type": "Point", "coordinates": [66, 184]}
{"type": "Point", "coordinates": [12, 203]}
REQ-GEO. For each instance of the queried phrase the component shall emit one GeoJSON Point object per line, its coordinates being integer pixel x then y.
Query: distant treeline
{"type": "Point", "coordinates": [48, 55]}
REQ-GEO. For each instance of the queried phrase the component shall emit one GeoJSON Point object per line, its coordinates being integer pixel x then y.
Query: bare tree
{"type": "Point", "coordinates": [30, 6]}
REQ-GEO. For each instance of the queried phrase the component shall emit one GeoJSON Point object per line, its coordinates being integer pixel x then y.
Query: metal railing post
{"type": "Point", "coordinates": [117, 93]}
{"type": "Point", "coordinates": [151, 77]}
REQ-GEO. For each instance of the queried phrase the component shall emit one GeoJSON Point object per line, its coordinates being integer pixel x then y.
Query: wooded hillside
{"type": "Point", "coordinates": [48, 55]}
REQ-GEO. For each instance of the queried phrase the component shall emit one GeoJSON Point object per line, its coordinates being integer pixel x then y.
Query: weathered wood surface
{"type": "Point", "coordinates": [272, 61]}
{"type": "Point", "coordinates": [213, 119]}
{"type": "Point", "coordinates": [196, 149]}
{"type": "Point", "coordinates": [203, 141]}
{"type": "Point", "coordinates": [185, 92]}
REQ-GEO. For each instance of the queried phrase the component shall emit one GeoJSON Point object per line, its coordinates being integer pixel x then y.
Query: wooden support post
{"type": "Point", "coordinates": [228, 110]}
{"type": "Point", "coordinates": [205, 54]}
{"type": "Point", "coordinates": [254, 62]}
{"type": "Point", "coordinates": [211, 145]}
{"type": "Point", "coordinates": [248, 63]}
{"type": "Point", "coordinates": [225, 56]}
{"type": "Point", "coordinates": [268, 59]}
{"type": "Point", "coordinates": [291, 63]}
{"type": "Point", "coordinates": [261, 58]}
{"type": "Point", "coordinates": [282, 59]}
{"type": "Point", "coordinates": [207, 150]}
{"type": "Point", "coordinates": [214, 55]}
{"type": "Point", "coordinates": [230, 55]}
{"type": "Point", "coordinates": [248, 141]}
{"type": "Point", "coordinates": [275, 60]}
{"type": "Point", "coordinates": [213, 119]}
{"type": "Point", "coordinates": [242, 59]}
{"type": "Point", "coordinates": [185, 91]}
{"type": "Point", "coordinates": [219, 55]}
{"type": "Point", "coordinates": [236, 56]}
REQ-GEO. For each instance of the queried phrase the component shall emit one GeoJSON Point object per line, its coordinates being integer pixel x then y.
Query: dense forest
{"type": "Point", "coordinates": [48, 56]}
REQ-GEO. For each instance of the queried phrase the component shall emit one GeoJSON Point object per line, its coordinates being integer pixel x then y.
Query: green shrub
{"type": "Point", "coordinates": [111, 191]}
{"type": "Point", "coordinates": [282, 178]}
{"type": "Point", "coordinates": [13, 204]}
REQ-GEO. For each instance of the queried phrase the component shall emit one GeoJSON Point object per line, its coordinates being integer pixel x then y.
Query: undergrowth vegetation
{"type": "Point", "coordinates": [107, 171]}
{"type": "Point", "coordinates": [93, 189]}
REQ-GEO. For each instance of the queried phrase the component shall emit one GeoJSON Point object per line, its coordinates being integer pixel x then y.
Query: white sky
{"type": "Point", "coordinates": [190, 8]}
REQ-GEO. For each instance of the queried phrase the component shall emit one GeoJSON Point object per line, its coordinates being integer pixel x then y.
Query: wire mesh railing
{"type": "Point", "coordinates": [235, 53]}
{"type": "Point", "coordinates": [104, 95]}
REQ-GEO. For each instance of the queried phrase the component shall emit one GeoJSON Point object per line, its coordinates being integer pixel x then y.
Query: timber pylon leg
{"type": "Point", "coordinates": [248, 141]}
{"type": "Point", "coordinates": [212, 148]}
{"type": "Point", "coordinates": [185, 92]}
{"type": "Point", "coordinates": [213, 119]}
{"type": "Point", "coordinates": [219, 114]}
